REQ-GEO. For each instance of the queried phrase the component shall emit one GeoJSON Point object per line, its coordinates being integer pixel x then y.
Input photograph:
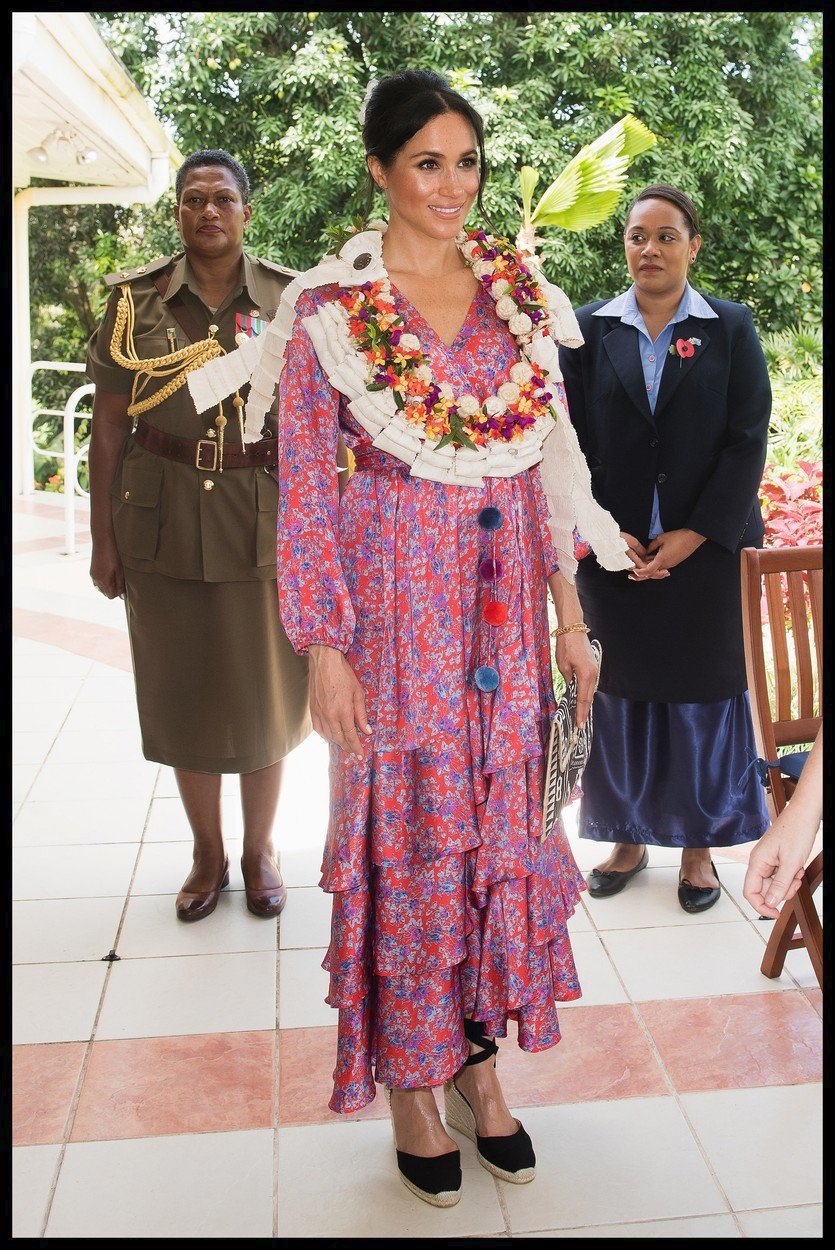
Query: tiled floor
{"type": "Point", "coordinates": [182, 1089]}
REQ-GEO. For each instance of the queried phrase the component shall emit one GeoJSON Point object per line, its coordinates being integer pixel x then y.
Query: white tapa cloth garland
{"type": "Point", "coordinates": [553, 443]}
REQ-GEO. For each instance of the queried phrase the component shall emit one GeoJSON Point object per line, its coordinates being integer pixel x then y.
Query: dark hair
{"type": "Point", "coordinates": [400, 105]}
{"type": "Point", "coordinates": [663, 191]}
{"type": "Point", "coordinates": [213, 156]}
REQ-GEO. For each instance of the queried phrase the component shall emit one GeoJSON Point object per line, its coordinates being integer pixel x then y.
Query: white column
{"type": "Point", "coordinates": [23, 461]}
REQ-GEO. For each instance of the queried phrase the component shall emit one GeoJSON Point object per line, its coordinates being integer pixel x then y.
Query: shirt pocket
{"type": "Point", "coordinates": [136, 510]}
{"type": "Point", "coordinates": [266, 493]}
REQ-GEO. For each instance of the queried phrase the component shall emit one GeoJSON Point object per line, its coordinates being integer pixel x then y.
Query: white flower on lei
{"type": "Point", "coordinates": [483, 268]}
{"type": "Point", "coordinates": [509, 392]}
{"type": "Point", "coordinates": [411, 342]}
{"type": "Point", "coordinates": [468, 405]}
{"type": "Point", "coordinates": [446, 390]}
{"type": "Point", "coordinates": [521, 372]}
{"type": "Point", "coordinates": [494, 407]}
{"type": "Point", "coordinates": [423, 373]}
{"type": "Point", "coordinates": [499, 287]}
{"type": "Point", "coordinates": [520, 324]}
{"type": "Point", "coordinates": [470, 249]}
{"type": "Point", "coordinates": [506, 307]}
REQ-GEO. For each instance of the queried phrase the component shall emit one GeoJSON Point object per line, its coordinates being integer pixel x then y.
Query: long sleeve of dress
{"type": "Point", "coordinates": [581, 547]}
{"type": "Point", "coordinates": [313, 598]}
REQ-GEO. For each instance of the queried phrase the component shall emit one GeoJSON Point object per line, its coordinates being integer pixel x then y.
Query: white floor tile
{"type": "Point", "coordinates": [101, 717]}
{"type": "Point", "coordinates": [103, 746]}
{"type": "Point", "coordinates": [31, 746]}
{"type": "Point", "coordinates": [111, 781]}
{"type": "Point", "coordinates": [203, 1185]}
{"type": "Point", "coordinates": [654, 1169]}
{"type": "Point", "coordinates": [680, 962]}
{"type": "Point", "coordinates": [300, 866]}
{"type": "Point", "coordinates": [164, 866]}
{"type": "Point", "coordinates": [364, 1196]}
{"type": "Point", "coordinates": [119, 688]}
{"type": "Point", "coordinates": [799, 965]}
{"type": "Point", "coordinates": [33, 1168]}
{"type": "Point", "coordinates": [306, 919]}
{"type": "Point", "coordinates": [763, 1144]}
{"type": "Point", "coordinates": [302, 988]}
{"type": "Point", "coordinates": [699, 1226]}
{"type": "Point", "coordinates": [23, 779]}
{"type": "Point", "coordinates": [45, 690]}
{"type": "Point", "coordinates": [581, 921]}
{"type": "Point", "coordinates": [72, 871]}
{"type": "Point", "coordinates": [64, 930]}
{"type": "Point", "coordinates": [80, 821]}
{"type": "Point", "coordinates": [650, 900]}
{"type": "Point", "coordinates": [52, 663]}
{"type": "Point", "coordinates": [598, 979]}
{"type": "Point", "coordinates": [192, 994]}
{"type": "Point", "coordinates": [787, 1222]}
{"type": "Point", "coordinates": [168, 822]}
{"type": "Point", "coordinates": [152, 929]}
{"type": "Point", "coordinates": [55, 1002]}
{"type": "Point", "coordinates": [39, 717]}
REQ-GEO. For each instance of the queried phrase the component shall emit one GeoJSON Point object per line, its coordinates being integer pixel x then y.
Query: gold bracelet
{"type": "Point", "coordinates": [579, 628]}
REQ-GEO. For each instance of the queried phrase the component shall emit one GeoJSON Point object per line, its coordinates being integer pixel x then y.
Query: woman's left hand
{"type": "Point", "coordinates": [575, 656]}
{"type": "Point", "coordinates": [666, 551]}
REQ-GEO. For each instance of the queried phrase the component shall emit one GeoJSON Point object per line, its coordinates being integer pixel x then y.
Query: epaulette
{"type": "Point", "coordinates": [282, 269]}
{"type": "Point", "coordinates": [141, 271]}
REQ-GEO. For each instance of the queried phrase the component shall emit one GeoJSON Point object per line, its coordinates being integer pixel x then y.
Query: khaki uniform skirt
{"type": "Point", "coordinates": [219, 688]}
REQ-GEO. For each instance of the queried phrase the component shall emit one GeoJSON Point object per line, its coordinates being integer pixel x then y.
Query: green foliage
{"type": "Point", "coordinates": [735, 106]}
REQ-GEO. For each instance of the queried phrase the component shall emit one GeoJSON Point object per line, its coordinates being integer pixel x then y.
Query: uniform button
{"type": "Point", "coordinates": [662, 477]}
{"type": "Point", "coordinates": [208, 484]}
{"type": "Point", "coordinates": [211, 433]}
{"type": "Point", "coordinates": [649, 386]}
{"type": "Point", "coordinates": [127, 494]}
{"type": "Point", "coordinates": [652, 358]}
{"type": "Point", "coordinates": [653, 442]}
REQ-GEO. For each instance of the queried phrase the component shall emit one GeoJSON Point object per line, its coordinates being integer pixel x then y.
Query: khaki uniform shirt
{"type": "Point", "coordinates": [166, 520]}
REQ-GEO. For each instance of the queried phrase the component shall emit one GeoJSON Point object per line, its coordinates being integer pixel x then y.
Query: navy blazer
{"type": "Point", "coordinates": [703, 449]}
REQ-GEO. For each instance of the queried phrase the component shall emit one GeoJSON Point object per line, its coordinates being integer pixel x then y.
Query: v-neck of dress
{"type": "Point", "coordinates": [448, 347]}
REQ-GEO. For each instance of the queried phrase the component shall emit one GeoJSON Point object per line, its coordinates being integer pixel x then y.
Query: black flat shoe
{"type": "Point", "coordinates": [510, 1157]}
{"type": "Point", "coordinates": [436, 1180]}
{"type": "Point", "coordinates": [603, 884]}
{"type": "Point", "coordinates": [695, 898]}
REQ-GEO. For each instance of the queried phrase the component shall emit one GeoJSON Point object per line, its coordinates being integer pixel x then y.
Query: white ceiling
{"type": "Point", "coordinates": [64, 77]}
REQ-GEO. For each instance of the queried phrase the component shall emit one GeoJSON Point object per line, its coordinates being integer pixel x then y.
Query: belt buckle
{"type": "Point", "coordinates": [205, 468]}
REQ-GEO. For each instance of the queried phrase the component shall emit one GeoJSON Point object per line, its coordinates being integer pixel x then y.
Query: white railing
{"type": "Point", "coordinates": [67, 452]}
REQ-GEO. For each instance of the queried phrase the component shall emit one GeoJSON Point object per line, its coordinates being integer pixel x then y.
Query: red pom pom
{"type": "Point", "coordinates": [495, 613]}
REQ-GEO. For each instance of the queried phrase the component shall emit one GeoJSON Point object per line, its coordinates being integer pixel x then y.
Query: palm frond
{"type": "Point", "coordinates": [588, 189]}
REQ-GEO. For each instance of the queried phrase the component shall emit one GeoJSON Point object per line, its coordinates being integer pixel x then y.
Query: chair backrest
{"type": "Point", "coordinates": [782, 606]}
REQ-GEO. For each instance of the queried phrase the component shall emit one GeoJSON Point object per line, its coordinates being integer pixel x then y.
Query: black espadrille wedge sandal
{"type": "Point", "coordinates": [512, 1157]}
{"type": "Point", "coordinates": [437, 1180]}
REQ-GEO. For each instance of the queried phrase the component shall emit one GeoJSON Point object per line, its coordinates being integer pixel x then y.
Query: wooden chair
{"type": "Point", "coordinates": [778, 721]}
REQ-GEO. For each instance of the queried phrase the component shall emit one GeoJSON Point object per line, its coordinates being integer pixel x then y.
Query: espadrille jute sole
{"type": "Point", "coordinates": [447, 1199]}
{"type": "Point", "coordinates": [459, 1115]}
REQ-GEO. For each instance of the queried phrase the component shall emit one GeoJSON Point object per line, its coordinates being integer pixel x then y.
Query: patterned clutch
{"type": "Point", "coordinates": [568, 752]}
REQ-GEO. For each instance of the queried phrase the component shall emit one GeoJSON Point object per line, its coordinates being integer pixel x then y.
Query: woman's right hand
{"type": "Point", "coordinates": [106, 570]}
{"type": "Point", "coordinates": [638, 556]}
{"type": "Point", "coordinates": [337, 702]}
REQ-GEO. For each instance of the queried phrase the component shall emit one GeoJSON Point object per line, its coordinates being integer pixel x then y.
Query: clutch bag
{"type": "Point", "coordinates": [568, 752]}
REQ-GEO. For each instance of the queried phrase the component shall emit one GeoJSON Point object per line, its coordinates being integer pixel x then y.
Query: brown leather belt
{"type": "Point", "coordinates": [202, 453]}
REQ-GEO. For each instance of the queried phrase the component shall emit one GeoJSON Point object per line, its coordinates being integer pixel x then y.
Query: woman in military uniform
{"type": "Point", "coordinates": [183, 520]}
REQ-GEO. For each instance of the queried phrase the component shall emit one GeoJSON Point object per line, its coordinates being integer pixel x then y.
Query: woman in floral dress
{"type": "Point", "coordinates": [422, 603]}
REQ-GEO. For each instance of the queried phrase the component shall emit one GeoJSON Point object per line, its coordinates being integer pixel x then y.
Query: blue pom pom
{"type": "Point", "coordinates": [490, 518]}
{"type": "Point", "coordinates": [486, 678]}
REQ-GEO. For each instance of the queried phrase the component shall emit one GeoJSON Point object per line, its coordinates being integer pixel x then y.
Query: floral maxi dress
{"type": "Point", "coordinates": [445, 902]}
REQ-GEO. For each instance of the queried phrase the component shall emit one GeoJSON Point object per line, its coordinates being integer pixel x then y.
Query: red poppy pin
{"type": "Point", "coordinates": [684, 349]}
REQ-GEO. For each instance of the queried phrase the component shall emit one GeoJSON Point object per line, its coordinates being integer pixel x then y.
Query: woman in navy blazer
{"type": "Point", "coordinates": [671, 401]}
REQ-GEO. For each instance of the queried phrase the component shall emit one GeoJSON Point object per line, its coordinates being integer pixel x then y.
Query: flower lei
{"type": "Point", "coordinates": [397, 362]}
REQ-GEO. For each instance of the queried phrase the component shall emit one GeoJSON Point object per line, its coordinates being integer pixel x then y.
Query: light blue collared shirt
{"type": "Point", "coordinates": [654, 353]}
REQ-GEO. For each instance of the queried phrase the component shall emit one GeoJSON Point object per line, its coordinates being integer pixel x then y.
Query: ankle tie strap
{"type": "Point", "coordinates": [474, 1032]}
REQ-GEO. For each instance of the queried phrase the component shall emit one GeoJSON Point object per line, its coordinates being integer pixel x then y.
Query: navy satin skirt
{"type": "Point", "coordinates": [672, 774]}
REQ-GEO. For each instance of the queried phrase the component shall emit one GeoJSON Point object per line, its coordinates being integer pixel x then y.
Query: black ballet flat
{"type": "Point", "coordinates": [696, 898]}
{"type": "Point", "coordinates": [603, 884]}
{"type": "Point", "coordinates": [436, 1180]}
{"type": "Point", "coordinates": [510, 1157]}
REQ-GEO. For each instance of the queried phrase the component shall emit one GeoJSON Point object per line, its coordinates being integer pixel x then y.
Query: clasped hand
{"type": "Point", "coordinates": [662, 553]}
